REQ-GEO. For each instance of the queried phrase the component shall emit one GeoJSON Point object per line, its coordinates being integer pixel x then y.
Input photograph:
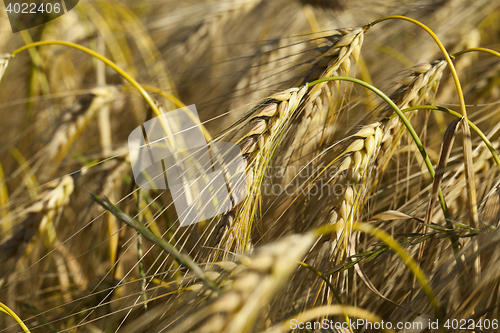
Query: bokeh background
{"type": "Point", "coordinates": [64, 113]}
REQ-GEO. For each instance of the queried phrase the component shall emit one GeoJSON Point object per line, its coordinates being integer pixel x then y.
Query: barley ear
{"type": "Point", "coordinates": [354, 170]}
{"type": "Point", "coordinates": [267, 124]}
{"type": "Point", "coordinates": [40, 216]}
{"type": "Point", "coordinates": [418, 87]}
{"type": "Point", "coordinates": [254, 284]}
{"type": "Point", "coordinates": [346, 45]}
{"type": "Point", "coordinates": [72, 122]}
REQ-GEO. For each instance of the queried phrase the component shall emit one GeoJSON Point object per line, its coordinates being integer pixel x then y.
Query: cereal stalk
{"type": "Point", "coordinates": [467, 146]}
{"type": "Point", "coordinates": [5, 309]}
{"type": "Point", "coordinates": [108, 62]}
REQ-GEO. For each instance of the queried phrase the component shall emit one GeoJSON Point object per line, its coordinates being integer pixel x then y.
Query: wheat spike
{"type": "Point", "coordinates": [39, 217]}
{"type": "Point", "coordinates": [73, 121]}
{"type": "Point", "coordinates": [336, 58]}
{"type": "Point", "coordinates": [339, 51]}
{"type": "Point", "coordinates": [420, 86]}
{"type": "Point", "coordinates": [355, 168]}
{"type": "Point", "coordinates": [347, 44]}
{"type": "Point", "coordinates": [266, 125]}
{"type": "Point", "coordinates": [271, 65]}
{"type": "Point", "coordinates": [361, 162]}
{"type": "Point", "coordinates": [253, 285]}
{"type": "Point", "coordinates": [352, 175]}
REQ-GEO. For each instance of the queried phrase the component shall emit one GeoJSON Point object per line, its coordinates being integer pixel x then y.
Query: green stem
{"type": "Point", "coordinates": [4, 308]}
{"type": "Point", "coordinates": [467, 146]}
{"type": "Point", "coordinates": [183, 259]}
{"type": "Point", "coordinates": [324, 278]}
{"type": "Point", "coordinates": [394, 245]}
{"type": "Point", "coordinates": [476, 129]}
{"type": "Point", "coordinates": [403, 119]}
{"type": "Point", "coordinates": [441, 47]}
{"type": "Point", "coordinates": [108, 62]}
{"type": "Point", "coordinates": [476, 49]}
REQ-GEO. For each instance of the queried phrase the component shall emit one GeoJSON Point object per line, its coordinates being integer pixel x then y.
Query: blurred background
{"type": "Point", "coordinates": [65, 119]}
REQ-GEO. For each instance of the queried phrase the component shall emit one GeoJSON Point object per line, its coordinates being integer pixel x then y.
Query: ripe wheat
{"type": "Point", "coordinates": [420, 86]}
{"type": "Point", "coordinates": [267, 124]}
{"type": "Point", "coordinates": [251, 288]}
{"type": "Point", "coordinates": [72, 122]}
{"type": "Point", "coordinates": [40, 216]}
